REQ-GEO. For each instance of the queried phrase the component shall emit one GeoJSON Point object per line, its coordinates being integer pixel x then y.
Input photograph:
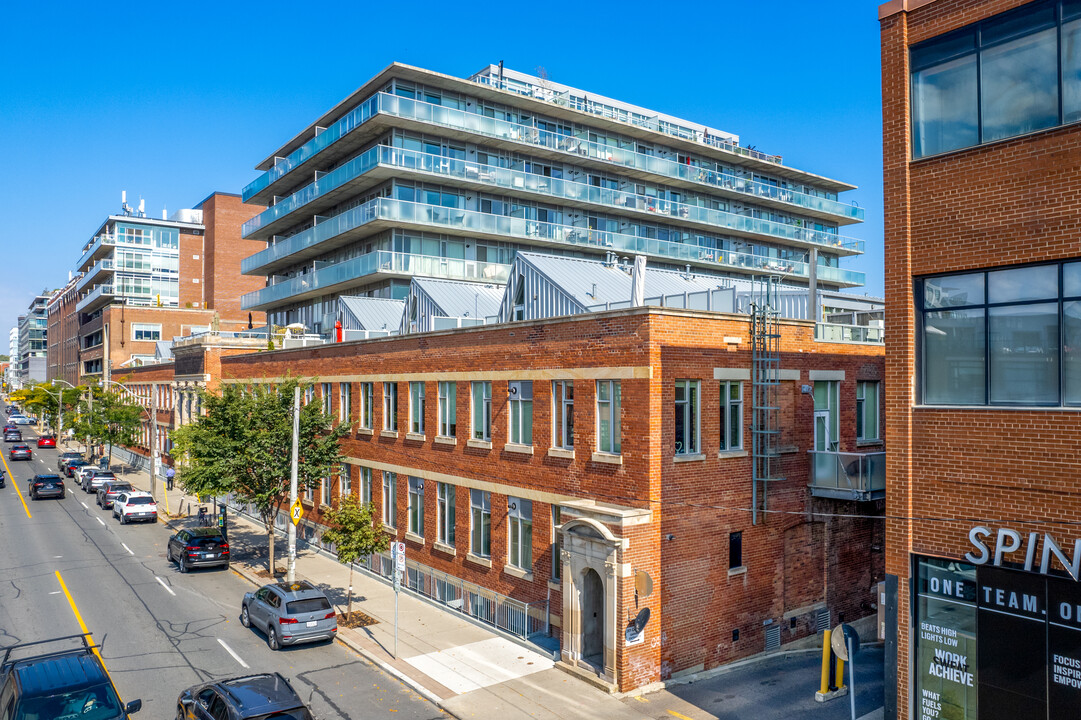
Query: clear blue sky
{"type": "Point", "coordinates": [172, 101]}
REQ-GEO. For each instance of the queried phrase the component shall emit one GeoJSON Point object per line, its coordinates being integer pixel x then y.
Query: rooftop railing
{"type": "Point", "coordinates": [452, 118]}
{"type": "Point", "coordinates": [379, 261]}
{"type": "Point", "coordinates": [472, 223]}
{"type": "Point", "coordinates": [557, 188]}
{"type": "Point", "coordinates": [848, 476]}
{"type": "Point", "coordinates": [836, 332]}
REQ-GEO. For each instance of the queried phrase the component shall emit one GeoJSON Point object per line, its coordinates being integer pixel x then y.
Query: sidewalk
{"type": "Point", "coordinates": [473, 671]}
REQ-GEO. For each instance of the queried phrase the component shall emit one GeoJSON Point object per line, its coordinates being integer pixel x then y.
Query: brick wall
{"type": "Point", "coordinates": [192, 268]}
{"type": "Point", "coordinates": [223, 214]}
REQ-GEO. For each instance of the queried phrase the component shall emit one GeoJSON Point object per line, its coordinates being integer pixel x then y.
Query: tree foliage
{"type": "Point", "coordinates": [108, 416]}
{"type": "Point", "coordinates": [354, 534]}
{"type": "Point", "coordinates": [242, 445]}
{"type": "Point", "coordinates": [41, 399]}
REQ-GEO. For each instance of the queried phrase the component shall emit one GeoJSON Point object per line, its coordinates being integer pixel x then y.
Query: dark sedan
{"type": "Point", "coordinates": [255, 696]}
{"type": "Point", "coordinates": [109, 490]}
{"type": "Point", "coordinates": [72, 465]}
{"type": "Point", "coordinates": [43, 486]}
{"type": "Point", "coordinates": [20, 452]}
{"type": "Point", "coordinates": [198, 547]}
{"type": "Point", "coordinates": [13, 435]}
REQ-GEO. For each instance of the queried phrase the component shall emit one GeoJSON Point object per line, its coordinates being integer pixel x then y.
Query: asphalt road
{"type": "Point", "coordinates": [162, 631]}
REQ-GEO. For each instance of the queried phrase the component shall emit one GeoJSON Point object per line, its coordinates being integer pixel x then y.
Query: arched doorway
{"type": "Point", "coordinates": [593, 618]}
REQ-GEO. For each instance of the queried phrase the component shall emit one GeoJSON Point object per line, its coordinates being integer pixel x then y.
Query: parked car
{"type": "Point", "coordinates": [21, 420]}
{"type": "Point", "coordinates": [46, 486]}
{"type": "Point", "coordinates": [289, 614]}
{"type": "Point", "coordinates": [254, 696]}
{"type": "Point", "coordinates": [13, 436]}
{"type": "Point", "coordinates": [93, 480]}
{"type": "Point", "coordinates": [72, 465]}
{"type": "Point", "coordinates": [66, 457]}
{"type": "Point", "coordinates": [198, 547]}
{"type": "Point", "coordinates": [10, 426]}
{"type": "Point", "coordinates": [20, 452]}
{"type": "Point", "coordinates": [65, 683]}
{"type": "Point", "coordinates": [47, 441]}
{"type": "Point", "coordinates": [134, 505]}
{"type": "Point", "coordinates": [109, 490]}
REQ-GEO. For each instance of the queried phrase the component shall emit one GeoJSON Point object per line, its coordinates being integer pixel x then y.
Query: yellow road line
{"type": "Point", "coordinates": [681, 716]}
{"type": "Point", "coordinates": [82, 626]}
{"type": "Point", "coordinates": [11, 479]}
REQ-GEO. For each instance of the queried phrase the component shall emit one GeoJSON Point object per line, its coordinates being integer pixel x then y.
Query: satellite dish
{"type": "Point", "coordinates": [643, 583]}
{"type": "Point", "coordinates": [641, 619]}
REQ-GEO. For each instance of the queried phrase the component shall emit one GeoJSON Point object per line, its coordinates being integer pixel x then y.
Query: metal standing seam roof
{"type": "Point", "coordinates": [462, 299]}
{"type": "Point", "coordinates": [368, 313]}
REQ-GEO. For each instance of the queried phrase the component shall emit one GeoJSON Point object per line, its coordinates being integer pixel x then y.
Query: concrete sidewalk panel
{"type": "Point", "coordinates": [470, 667]}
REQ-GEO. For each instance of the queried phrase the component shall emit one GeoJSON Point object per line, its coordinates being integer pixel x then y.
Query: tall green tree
{"type": "Point", "coordinates": [354, 534]}
{"type": "Point", "coordinates": [242, 445]}
{"type": "Point", "coordinates": [44, 400]}
{"type": "Point", "coordinates": [108, 416]}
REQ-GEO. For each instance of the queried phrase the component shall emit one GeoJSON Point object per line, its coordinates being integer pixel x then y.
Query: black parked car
{"type": "Point", "coordinates": [46, 486]}
{"type": "Point", "coordinates": [198, 547]}
{"type": "Point", "coordinates": [109, 490]}
{"type": "Point", "coordinates": [71, 465]}
{"type": "Point", "coordinates": [66, 457]}
{"type": "Point", "coordinates": [255, 696]}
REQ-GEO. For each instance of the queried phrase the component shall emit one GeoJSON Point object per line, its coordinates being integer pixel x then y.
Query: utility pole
{"type": "Point", "coordinates": [292, 566]}
{"type": "Point", "coordinates": [90, 412]}
{"type": "Point", "coordinates": [154, 441]}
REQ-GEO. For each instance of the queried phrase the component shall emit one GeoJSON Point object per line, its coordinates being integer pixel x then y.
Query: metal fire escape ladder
{"type": "Point", "coordinates": [765, 377]}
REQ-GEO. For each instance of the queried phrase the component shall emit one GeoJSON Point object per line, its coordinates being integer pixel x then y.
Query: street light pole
{"type": "Point", "coordinates": [292, 550]}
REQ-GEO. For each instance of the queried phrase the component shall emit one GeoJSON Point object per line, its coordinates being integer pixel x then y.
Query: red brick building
{"type": "Point", "coordinates": [982, 166]}
{"type": "Point", "coordinates": [555, 462]}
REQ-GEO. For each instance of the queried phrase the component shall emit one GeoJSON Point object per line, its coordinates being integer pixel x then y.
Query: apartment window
{"type": "Point", "coordinates": [309, 493]}
{"type": "Point", "coordinates": [521, 412]}
{"type": "Point", "coordinates": [366, 395]}
{"type": "Point", "coordinates": [416, 506]}
{"type": "Point", "coordinates": [345, 480]}
{"type": "Point", "coordinates": [1014, 73]}
{"type": "Point", "coordinates": [324, 487]}
{"type": "Point", "coordinates": [687, 394]}
{"type": "Point", "coordinates": [146, 331]}
{"type": "Point", "coordinates": [731, 415]}
{"type": "Point", "coordinates": [390, 406]}
{"type": "Point", "coordinates": [557, 543]}
{"type": "Point", "coordinates": [480, 521]}
{"type": "Point", "coordinates": [520, 530]}
{"type": "Point", "coordinates": [867, 411]}
{"type": "Point", "coordinates": [735, 550]}
{"type": "Point", "coordinates": [827, 425]}
{"type": "Point", "coordinates": [365, 485]}
{"type": "Point", "coordinates": [309, 394]}
{"type": "Point", "coordinates": [608, 416]}
{"type": "Point", "coordinates": [448, 409]}
{"type": "Point", "coordinates": [563, 414]}
{"type": "Point", "coordinates": [482, 410]}
{"type": "Point", "coordinates": [416, 407]}
{"type": "Point", "coordinates": [1002, 337]}
{"type": "Point", "coordinates": [445, 515]}
{"type": "Point", "coordinates": [345, 402]}
{"type": "Point", "coordinates": [324, 391]}
{"type": "Point", "coordinates": [390, 499]}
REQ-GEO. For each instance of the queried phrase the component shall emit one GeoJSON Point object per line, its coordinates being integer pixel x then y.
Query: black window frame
{"type": "Point", "coordinates": [921, 311]}
{"type": "Point", "coordinates": [735, 549]}
{"type": "Point", "coordinates": [1063, 11]}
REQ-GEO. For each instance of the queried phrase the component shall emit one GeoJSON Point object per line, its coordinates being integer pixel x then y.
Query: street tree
{"type": "Point", "coordinates": [242, 445]}
{"type": "Point", "coordinates": [354, 534]}
{"type": "Point", "coordinates": [109, 417]}
{"type": "Point", "coordinates": [41, 399]}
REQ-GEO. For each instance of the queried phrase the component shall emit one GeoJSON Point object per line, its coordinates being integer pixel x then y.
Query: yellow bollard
{"type": "Point", "coordinates": [824, 685]}
{"type": "Point", "coordinates": [840, 677]}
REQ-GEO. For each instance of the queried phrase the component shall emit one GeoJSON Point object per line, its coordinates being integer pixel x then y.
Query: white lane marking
{"type": "Point", "coordinates": [55, 592]}
{"type": "Point", "coordinates": [57, 557]}
{"type": "Point", "coordinates": [127, 548]}
{"type": "Point", "coordinates": [85, 505]}
{"type": "Point", "coordinates": [168, 589]}
{"type": "Point", "coordinates": [100, 520]}
{"type": "Point", "coordinates": [230, 651]}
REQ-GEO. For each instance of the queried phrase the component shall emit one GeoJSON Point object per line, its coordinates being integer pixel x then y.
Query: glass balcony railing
{"type": "Point", "coordinates": [848, 476]}
{"type": "Point", "coordinates": [380, 261]}
{"type": "Point", "coordinates": [474, 223]}
{"type": "Point", "coordinates": [98, 243]}
{"type": "Point", "coordinates": [454, 119]}
{"type": "Point", "coordinates": [97, 296]}
{"type": "Point", "coordinates": [836, 332]}
{"type": "Point", "coordinates": [100, 266]}
{"type": "Point", "coordinates": [555, 188]}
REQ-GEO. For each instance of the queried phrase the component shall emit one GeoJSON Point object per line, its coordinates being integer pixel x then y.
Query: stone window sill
{"type": "Point", "coordinates": [732, 453]}
{"type": "Point", "coordinates": [610, 458]}
{"type": "Point", "coordinates": [741, 570]}
{"type": "Point", "coordinates": [482, 444]}
{"type": "Point", "coordinates": [555, 585]}
{"type": "Point", "coordinates": [692, 457]}
{"type": "Point", "coordinates": [442, 440]}
{"type": "Point", "coordinates": [365, 431]}
{"type": "Point", "coordinates": [390, 529]}
{"type": "Point", "coordinates": [413, 537]}
{"type": "Point", "coordinates": [868, 443]}
{"type": "Point", "coordinates": [561, 453]}
{"type": "Point", "coordinates": [443, 548]}
{"type": "Point", "coordinates": [518, 573]}
{"type": "Point", "coordinates": [517, 448]}
{"type": "Point", "coordinates": [388, 434]}
{"type": "Point", "coordinates": [416, 437]}
{"type": "Point", "coordinates": [478, 560]}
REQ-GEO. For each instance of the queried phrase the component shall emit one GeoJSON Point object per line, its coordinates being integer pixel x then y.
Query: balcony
{"type": "Point", "coordinates": [384, 213]}
{"type": "Point", "coordinates": [860, 334]}
{"type": "Point", "coordinates": [405, 112]}
{"type": "Point", "coordinates": [848, 476]}
{"type": "Point", "coordinates": [99, 296]}
{"type": "Point", "coordinates": [98, 272]}
{"type": "Point", "coordinates": [361, 173]}
{"type": "Point", "coordinates": [368, 268]}
{"type": "Point", "coordinates": [98, 248]}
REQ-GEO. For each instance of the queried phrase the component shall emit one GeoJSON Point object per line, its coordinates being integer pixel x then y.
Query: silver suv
{"type": "Point", "coordinates": [289, 614]}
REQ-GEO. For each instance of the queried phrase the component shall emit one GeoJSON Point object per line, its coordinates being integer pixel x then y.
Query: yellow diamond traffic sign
{"type": "Point", "coordinates": [297, 511]}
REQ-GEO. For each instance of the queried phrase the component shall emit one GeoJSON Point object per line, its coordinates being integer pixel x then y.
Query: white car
{"type": "Point", "coordinates": [132, 506]}
{"type": "Point", "coordinates": [20, 420]}
{"type": "Point", "coordinates": [83, 472]}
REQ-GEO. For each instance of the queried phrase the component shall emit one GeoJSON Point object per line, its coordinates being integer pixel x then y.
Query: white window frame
{"type": "Point", "coordinates": [691, 408]}
{"type": "Point", "coordinates": [415, 506]}
{"type": "Point", "coordinates": [328, 402]}
{"type": "Point", "coordinates": [390, 406]}
{"type": "Point", "coordinates": [390, 499]}
{"type": "Point", "coordinates": [731, 415]}
{"type": "Point", "coordinates": [367, 395]}
{"type": "Point", "coordinates": [345, 480]}
{"type": "Point", "coordinates": [614, 445]}
{"type": "Point", "coordinates": [520, 533]}
{"type": "Point", "coordinates": [483, 412]}
{"type": "Point", "coordinates": [345, 401]}
{"type": "Point", "coordinates": [861, 410]}
{"type": "Point", "coordinates": [365, 485]}
{"type": "Point", "coordinates": [416, 407]}
{"type": "Point", "coordinates": [480, 523]}
{"type": "Point", "coordinates": [137, 328]}
{"type": "Point", "coordinates": [448, 408]}
{"type": "Point", "coordinates": [563, 414]}
{"type": "Point", "coordinates": [309, 394]}
{"type": "Point", "coordinates": [444, 518]}
{"type": "Point", "coordinates": [324, 488]}
{"type": "Point", "coordinates": [518, 405]}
